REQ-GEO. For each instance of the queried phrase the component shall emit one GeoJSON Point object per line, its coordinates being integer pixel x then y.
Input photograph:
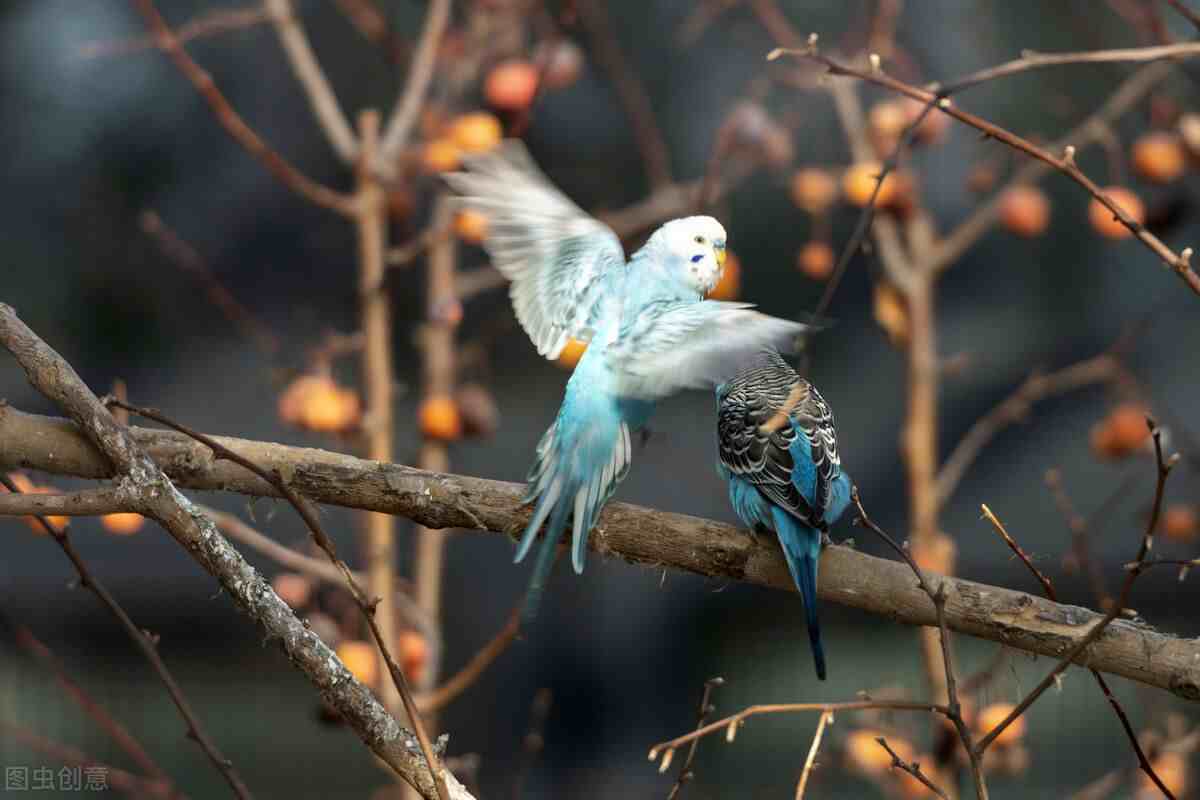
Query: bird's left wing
{"type": "Point", "coordinates": [565, 266]}
{"type": "Point", "coordinates": [672, 345]}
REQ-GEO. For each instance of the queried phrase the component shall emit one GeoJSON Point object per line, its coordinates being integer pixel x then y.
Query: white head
{"type": "Point", "coordinates": [698, 243]}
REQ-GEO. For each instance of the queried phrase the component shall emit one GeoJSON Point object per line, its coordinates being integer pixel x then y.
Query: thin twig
{"type": "Point", "coordinates": [802, 784]}
{"type": "Point", "coordinates": [1147, 542]}
{"type": "Point", "coordinates": [534, 739]}
{"type": "Point", "coordinates": [1180, 263]}
{"type": "Point", "coordinates": [233, 123]}
{"type": "Point", "coordinates": [149, 649]}
{"type": "Point", "coordinates": [1047, 586]}
{"type": "Point", "coordinates": [408, 107]}
{"type": "Point", "coordinates": [307, 69]}
{"type": "Point", "coordinates": [207, 24]}
{"type": "Point", "coordinates": [706, 708]}
{"type": "Point", "coordinates": [1015, 408]}
{"type": "Point", "coordinates": [913, 769]}
{"type": "Point", "coordinates": [466, 677]}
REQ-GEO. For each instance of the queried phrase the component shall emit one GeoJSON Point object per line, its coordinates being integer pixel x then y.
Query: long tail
{"type": "Point", "coordinates": [578, 466]}
{"type": "Point", "coordinates": [802, 550]}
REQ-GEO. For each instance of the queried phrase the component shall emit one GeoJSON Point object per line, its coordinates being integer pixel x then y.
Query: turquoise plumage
{"type": "Point", "coordinates": [651, 333]}
{"type": "Point", "coordinates": [777, 449]}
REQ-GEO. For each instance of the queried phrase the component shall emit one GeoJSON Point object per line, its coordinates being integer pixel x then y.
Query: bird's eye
{"type": "Point", "coordinates": [698, 257]}
{"type": "Point", "coordinates": [699, 240]}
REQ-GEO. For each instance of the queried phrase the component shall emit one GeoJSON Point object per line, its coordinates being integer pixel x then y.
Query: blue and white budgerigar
{"type": "Point", "coordinates": [650, 332]}
{"type": "Point", "coordinates": [778, 451]}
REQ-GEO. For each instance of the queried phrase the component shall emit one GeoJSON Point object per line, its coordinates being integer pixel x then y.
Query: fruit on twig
{"type": "Point", "coordinates": [414, 654]}
{"type": "Point", "coordinates": [317, 403]}
{"type": "Point", "coordinates": [440, 155]}
{"type": "Point", "coordinates": [292, 588]}
{"type": "Point", "coordinates": [1121, 433]}
{"type": "Point", "coordinates": [815, 259]}
{"type": "Point", "coordinates": [730, 283]}
{"type": "Point", "coordinates": [440, 419]}
{"type": "Point", "coordinates": [858, 183]}
{"type": "Point", "coordinates": [891, 312]}
{"type": "Point", "coordinates": [471, 226]}
{"type": "Point", "coordinates": [1171, 768]}
{"type": "Point", "coordinates": [993, 715]}
{"type": "Point", "coordinates": [1159, 157]}
{"type": "Point", "coordinates": [813, 189]}
{"type": "Point", "coordinates": [1180, 522]}
{"type": "Point", "coordinates": [361, 659]}
{"type": "Point", "coordinates": [123, 523]}
{"type": "Point", "coordinates": [867, 757]}
{"type": "Point", "coordinates": [476, 132]}
{"type": "Point", "coordinates": [511, 85]}
{"type": "Point", "coordinates": [26, 486]}
{"type": "Point", "coordinates": [1025, 210]}
{"type": "Point", "coordinates": [1106, 223]}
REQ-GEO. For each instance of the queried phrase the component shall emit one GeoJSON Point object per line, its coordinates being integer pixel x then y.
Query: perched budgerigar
{"type": "Point", "coordinates": [778, 451]}
{"type": "Point", "coordinates": [651, 332]}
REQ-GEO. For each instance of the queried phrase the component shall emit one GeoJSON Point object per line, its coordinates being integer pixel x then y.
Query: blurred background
{"type": "Point", "coordinates": [94, 137]}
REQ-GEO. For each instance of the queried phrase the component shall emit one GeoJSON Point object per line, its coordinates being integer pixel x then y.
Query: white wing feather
{"type": "Point", "coordinates": [674, 345]}
{"type": "Point", "coordinates": [565, 266]}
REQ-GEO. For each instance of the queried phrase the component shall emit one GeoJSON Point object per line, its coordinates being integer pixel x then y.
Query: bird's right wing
{"type": "Point", "coordinates": [672, 345]}
{"type": "Point", "coordinates": [566, 266]}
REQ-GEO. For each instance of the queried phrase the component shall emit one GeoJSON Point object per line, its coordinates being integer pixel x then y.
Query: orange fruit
{"type": "Point", "coordinates": [1159, 157]}
{"type": "Point", "coordinates": [26, 486]}
{"type": "Point", "coordinates": [932, 128]}
{"type": "Point", "coordinates": [1025, 210]}
{"type": "Point", "coordinates": [440, 419]}
{"type": "Point", "coordinates": [1180, 522]}
{"type": "Point", "coordinates": [815, 260]}
{"type": "Point", "coordinates": [730, 282]}
{"type": "Point", "coordinates": [414, 654]}
{"type": "Point", "coordinates": [361, 659]}
{"type": "Point", "coordinates": [471, 226]}
{"type": "Point", "coordinates": [476, 132]}
{"type": "Point", "coordinates": [993, 715]}
{"type": "Point", "coordinates": [123, 523]}
{"type": "Point", "coordinates": [813, 189]}
{"type": "Point", "coordinates": [440, 155]}
{"type": "Point", "coordinates": [571, 354]}
{"type": "Point", "coordinates": [858, 182]}
{"type": "Point", "coordinates": [1103, 220]}
{"type": "Point", "coordinates": [511, 85]}
{"type": "Point", "coordinates": [292, 588]}
{"type": "Point", "coordinates": [1171, 768]}
{"type": "Point", "coordinates": [886, 122]}
{"type": "Point", "coordinates": [867, 757]}
{"type": "Point", "coordinates": [891, 312]}
{"type": "Point", "coordinates": [911, 787]}
{"type": "Point", "coordinates": [317, 403]}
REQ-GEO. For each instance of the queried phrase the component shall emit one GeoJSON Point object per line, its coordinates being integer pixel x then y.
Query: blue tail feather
{"type": "Point", "coordinates": [544, 563]}
{"type": "Point", "coordinates": [802, 550]}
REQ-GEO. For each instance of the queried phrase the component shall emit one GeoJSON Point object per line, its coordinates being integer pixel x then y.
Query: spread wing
{"type": "Point", "coordinates": [768, 455]}
{"type": "Point", "coordinates": [672, 345]}
{"type": "Point", "coordinates": [566, 267]}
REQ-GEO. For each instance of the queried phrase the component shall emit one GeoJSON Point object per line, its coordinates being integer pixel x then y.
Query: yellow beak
{"type": "Point", "coordinates": [719, 254]}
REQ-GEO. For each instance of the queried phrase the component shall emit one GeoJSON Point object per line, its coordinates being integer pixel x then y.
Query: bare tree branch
{"type": "Point", "coordinates": [636, 534]}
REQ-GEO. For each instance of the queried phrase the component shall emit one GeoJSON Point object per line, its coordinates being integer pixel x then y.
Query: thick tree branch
{"type": "Point", "coordinates": [147, 490]}
{"type": "Point", "coordinates": [636, 534]}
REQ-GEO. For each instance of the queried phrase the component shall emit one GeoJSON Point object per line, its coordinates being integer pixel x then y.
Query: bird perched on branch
{"type": "Point", "coordinates": [651, 333]}
{"type": "Point", "coordinates": [778, 451]}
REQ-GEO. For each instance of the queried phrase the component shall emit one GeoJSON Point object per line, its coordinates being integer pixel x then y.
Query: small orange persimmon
{"type": "Point", "coordinates": [891, 312]}
{"type": "Point", "coordinates": [866, 756]}
{"type": "Point", "coordinates": [1159, 156]}
{"type": "Point", "coordinates": [1025, 210]}
{"type": "Point", "coordinates": [361, 659]}
{"type": "Point", "coordinates": [471, 226]}
{"type": "Point", "coordinates": [511, 85]}
{"type": "Point", "coordinates": [815, 260]}
{"type": "Point", "coordinates": [858, 183]}
{"type": "Point", "coordinates": [813, 189]}
{"type": "Point", "coordinates": [292, 588]}
{"type": "Point", "coordinates": [476, 132]}
{"type": "Point", "coordinates": [1181, 522]}
{"type": "Point", "coordinates": [440, 419]}
{"type": "Point", "coordinates": [440, 155]}
{"type": "Point", "coordinates": [991, 716]}
{"type": "Point", "coordinates": [26, 486]}
{"type": "Point", "coordinates": [123, 523]}
{"type": "Point", "coordinates": [414, 654]}
{"type": "Point", "coordinates": [1103, 219]}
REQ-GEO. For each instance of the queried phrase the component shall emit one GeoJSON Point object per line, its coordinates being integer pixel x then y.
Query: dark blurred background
{"type": "Point", "coordinates": [91, 143]}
